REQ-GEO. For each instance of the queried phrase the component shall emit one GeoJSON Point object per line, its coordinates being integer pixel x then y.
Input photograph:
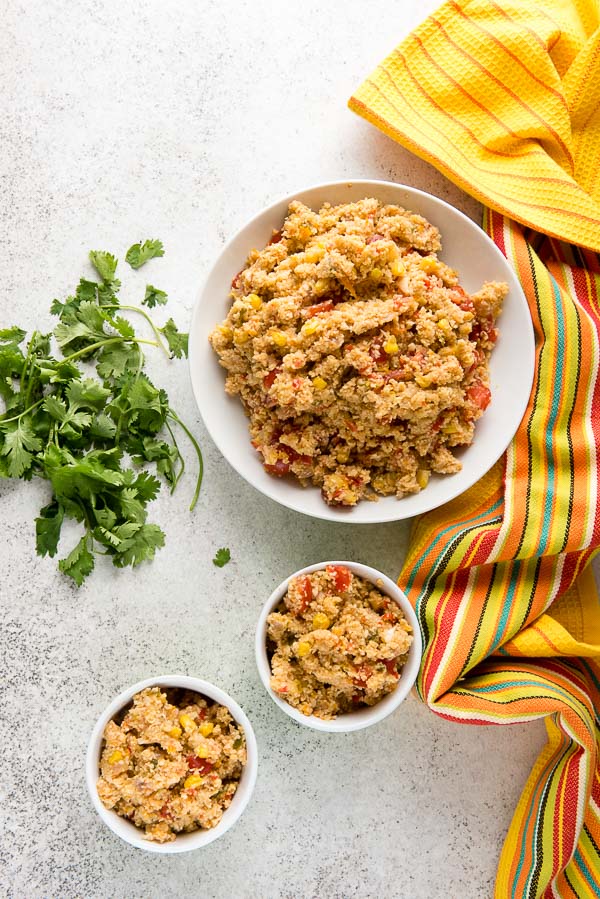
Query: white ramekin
{"type": "Point", "coordinates": [186, 841]}
{"type": "Point", "coordinates": [364, 717]}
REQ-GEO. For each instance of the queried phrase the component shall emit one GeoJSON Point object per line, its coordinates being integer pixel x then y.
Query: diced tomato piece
{"type": "Point", "coordinates": [305, 591]}
{"type": "Point", "coordinates": [279, 468]}
{"type": "Point", "coordinates": [202, 714]}
{"type": "Point", "coordinates": [464, 300]}
{"type": "Point", "coordinates": [362, 676]}
{"type": "Point", "coordinates": [342, 577]}
{"type": "Point", "coordinates": [390, 664]}
{"type": "Point", "coordinates": [479, 394]}
{"type": "Point", "coordinates": [283, 690]}
{"type": "Point", "coordinates": [388, 616]}
{"type": "Point", "coordinates": [275, 237]}
{"type": "Point", "coordinates": [198, 764]}
{"type": "Point", "coordinates": [269, 379]}
{"type": "Point", "coordinates": [317, 308]}
{"type": "Point", "coordinates": [356, 698]}
{"type": "Point", "coordinates": [294, 456]}
{"type": "Point", "coordinates": [164, 812]}
{"type": "Point", "coordinates": [437, 423]}
{"type": "Point", "coordinates": [377, 352]}
{"type": "Point", "coordinates": [235, 283]}
{"type": "Point", "coordinates": [396, 374]}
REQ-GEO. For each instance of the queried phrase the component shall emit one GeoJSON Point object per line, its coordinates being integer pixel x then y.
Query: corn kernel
{"type": "Point", "coordinates": [342, 455]}
{"type": "Point", "coordinates": [320, 622]}
{"type": "Point", "coordinates": [422, 477]}
{"type": "Point", "coordinates": [279, 338]}
{"type": "Point", "coordinates": [314, 254]}
{"type": "Point", "coordinates": [187, 722]}
{"type": "Point", "coordinates": [310, 326]}
{"type": "Point", "coordinates": [450, 428]}
{"type": "Point", "coordinates": [202, 752]}
{"type": "Point", "coordinates": [319, 384]}
{"type": "Point", "coordinates": [397, 268]}
{"type": "Point", "coordinates": [206, 729]}
{"type": "Point", "coordinates": [321, 286]}
{"type": "Point", "coordinates": [423, 380]}
{"type": "Point", "coordinates": [240, 336]}
{"type": "Point", "coordinates": [375, 275]}
{"type": "Point", "coordinates": [175, 732]}
{"type": "Point", "coordinates": [225, 331]}
{"type": "Point", "coordinates": [445, 327]}
{"type": "Point", "coordinates": [115, 757]}
{"type": "Point", "coordinates": [194, 780]}
{"type": "Point", "coordinates": [303, 649]}
{"type": "Point", "coordinates": [390, 346]}
{"type": "Point", "coordinates": [337, 630]}
{"type": "Point", "coordinates": [254, 300]}
{"type": "Point", "coordinates": [429, 265]}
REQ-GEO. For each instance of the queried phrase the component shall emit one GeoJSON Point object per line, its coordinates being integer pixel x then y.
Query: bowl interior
{"type": "Point", "coordinates": [186, 841]}
{"type": "Point", "coordinates": [465, 247]}
{"type": "Point", "coordinates": [365, 717]}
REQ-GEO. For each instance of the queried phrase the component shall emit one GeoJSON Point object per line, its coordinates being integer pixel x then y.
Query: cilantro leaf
{"type": "Point", "coordinates": [222, 557]}
{"type": "Point", "coordinates": [12, 335]}
{"type": "Point", "coordinates": [19, 440]}
{"type": "Point", "coordinates": [147, 486]}
{"type": "Point", "coordinates": [102, 428]}
{"type": "Point", "coordinates": [47, 529]}
{"type": "Point", "coordinates": [154, 297]}
{"type": "Point", "coordinates": [140, 253]}
{"type": "Point", "coordinates": [177, 340]}
{"type": "Point", "coordinates": [142, 547]}
{"type": "Point", "coordinates": [105, 264]}
{"type": "Point", "coordinates": [79, 563]}
{"type": "Point", "coordinates": [83, 328]}
{"type": "Point", "coordinates": [117, 358]}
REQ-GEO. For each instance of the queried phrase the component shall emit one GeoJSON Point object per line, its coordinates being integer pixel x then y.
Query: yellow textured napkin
{"type": "Point", "coordinates": [503, 99]}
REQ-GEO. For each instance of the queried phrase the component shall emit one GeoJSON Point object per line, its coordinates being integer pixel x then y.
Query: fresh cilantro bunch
{"type": "Point", "coordinates": [89, 420]}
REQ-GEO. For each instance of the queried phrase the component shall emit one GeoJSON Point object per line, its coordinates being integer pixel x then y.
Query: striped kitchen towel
{"type": "Point", "coordinates": [503, 98]}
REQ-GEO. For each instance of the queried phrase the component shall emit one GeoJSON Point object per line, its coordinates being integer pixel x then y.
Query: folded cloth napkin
{"type": "Point", "coordinates": [503, 98]}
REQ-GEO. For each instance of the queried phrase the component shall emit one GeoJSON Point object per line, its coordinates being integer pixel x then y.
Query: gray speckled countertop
{"type": "Point", "coordinates": [180, 120]}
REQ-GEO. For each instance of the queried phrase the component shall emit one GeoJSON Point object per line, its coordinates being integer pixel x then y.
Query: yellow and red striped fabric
{"type": "Point", "coordinates": [502, 98]}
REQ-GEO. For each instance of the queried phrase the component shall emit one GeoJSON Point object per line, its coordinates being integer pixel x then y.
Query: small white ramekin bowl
{"type": "Point", "coordinates": [364, 717]}
{"type": "Point", "coordinates": [186, 841]}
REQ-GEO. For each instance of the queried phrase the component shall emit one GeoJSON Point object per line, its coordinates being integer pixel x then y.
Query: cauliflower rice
{"type": "Point", "coordinates": [359, 359]}
{"type": "Point", "coordinates": [172, 764]}
{"type": "Point", "coordinates": [336, 643]}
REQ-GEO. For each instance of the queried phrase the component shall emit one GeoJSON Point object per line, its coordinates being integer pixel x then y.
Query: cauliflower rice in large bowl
{"type": "Point", "coordinates": [362, 359]}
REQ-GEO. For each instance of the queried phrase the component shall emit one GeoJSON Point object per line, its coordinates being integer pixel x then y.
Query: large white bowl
{"type": "Point", "coordinates": [183, 842]}
{"type": "Point", "coordinates": [365, 717]}
{"type": "Point", "coordinates": [465, 247]}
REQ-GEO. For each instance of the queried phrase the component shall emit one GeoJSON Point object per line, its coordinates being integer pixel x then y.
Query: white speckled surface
{"type": "Point", "coordinates": [179, 120]}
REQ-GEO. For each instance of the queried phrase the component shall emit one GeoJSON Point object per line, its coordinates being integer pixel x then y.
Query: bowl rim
{"type": "Point", "coordinates": [349, 721]}
{"type": "Point", "coordinates": [269, 489]}
{"type": "Point", "coordinates": [127, 831]}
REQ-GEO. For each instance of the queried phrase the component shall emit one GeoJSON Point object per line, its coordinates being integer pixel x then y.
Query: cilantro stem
{"type": "Point", "coordinates": [179, 456]}
{"type": "Point", "coordinates": [4, 421]}
{"type": "Point", "coordinates": [150, 322]}
{"type": "Point", "coordinates": [194, 443]}
{"type": "Point", "coordinates": [100, 343]}
{"type": "Point", "coordinates": [26, 365]}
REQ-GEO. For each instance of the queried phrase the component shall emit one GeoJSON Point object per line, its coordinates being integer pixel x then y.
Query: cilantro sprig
{"type": "Point", "coordinates": [89, 421]}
